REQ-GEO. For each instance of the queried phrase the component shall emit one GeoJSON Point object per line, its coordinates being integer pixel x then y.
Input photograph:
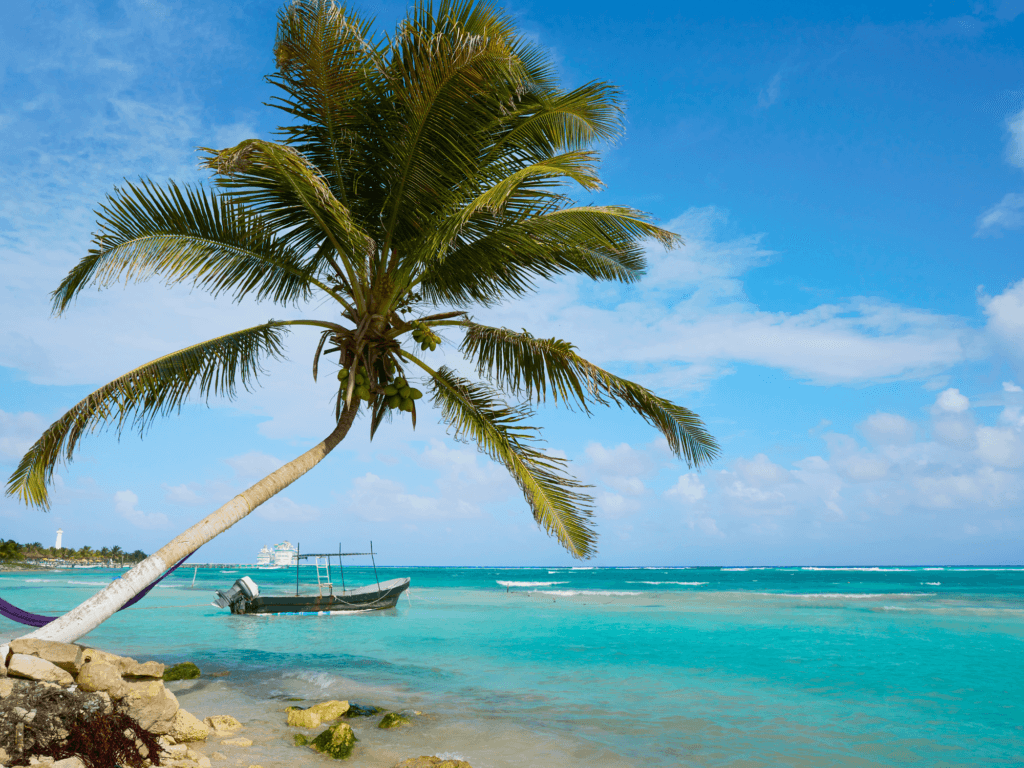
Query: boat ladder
{"type": "Point", "coordinates": [323, 575]}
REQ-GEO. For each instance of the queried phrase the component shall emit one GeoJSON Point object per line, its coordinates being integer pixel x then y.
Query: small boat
{"type": "Point", "coordinates": [244, 596]}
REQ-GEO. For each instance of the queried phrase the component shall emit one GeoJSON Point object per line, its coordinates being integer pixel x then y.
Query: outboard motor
{"type": "Point", "coordinates": [237, 598]}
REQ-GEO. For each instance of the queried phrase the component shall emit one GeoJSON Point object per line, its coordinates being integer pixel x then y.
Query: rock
{"type": "Point", "coordinates": [65, 655]}
{"type": "Point", "coordinates": [393, 720]}
{"type": "Point", "coordinates": [6, 688]}
{"type": "Point", "coordinates": [35, 668]}
{"type": "Point", "coordinates": [204, 761]}
{"type": "Point", "coordinates": [222, 723]}
{"type": "Point", "coordinates": [337, 741]}
{"type": "Point", "coordinates": [303, 718]}
{"type": "Point", "coordinates": [100, 675]}
{"type": "Point", "coordinates": [69, 762]}
{"type": "Point", "coordinates": [218, 756]}
{"type": "Point", "coordinates": [130, 668]}
{"type": "Point", "coordinates": [184, 671]}
{"type": "Point", "coordinates": [4, 757]}
{"type": "Point", "coordinates": [300, 740]}
{"type": "Point", "coordinates": [152, 705]}
{"type": "Point", "coordinates": [238, 742]}
{"type": "Point", "coordinates": [360, 710]}
{"type": "Point", "coordinates": [255, 766]}
{"type": "Point", "coordinates": [220, 674]}
{"type": "Point", "coordinates": [329, 710]}
{"type": "Point", "coordinates": [431, 762]}
{"type": "Point", "coordinates": [176, 750]}
{"type": "Point", "coordinates": [188, 727]}
{"type": "Point", "coordinates": [5, 651]}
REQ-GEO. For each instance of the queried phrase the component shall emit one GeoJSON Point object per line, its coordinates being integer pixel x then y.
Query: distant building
{"type": "Point", "coordinates": [59, 534]}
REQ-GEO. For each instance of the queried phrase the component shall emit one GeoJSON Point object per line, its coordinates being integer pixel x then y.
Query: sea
{"type": "Point", "coordinates": [604, 667]}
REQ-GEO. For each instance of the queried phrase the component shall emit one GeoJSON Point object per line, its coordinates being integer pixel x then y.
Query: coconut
{"type": "Point", "coordinates": [394, 401]}
{"type": "Point", "coordinates": [405, 405]}
{"type": "Point", "coordinates": [390, 390]}
{"type": "Point", "coordinates": [415, 394]}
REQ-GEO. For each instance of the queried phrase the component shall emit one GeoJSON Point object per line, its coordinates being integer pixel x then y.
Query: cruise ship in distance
{"type": "Point", "coordinates": [281, 556]}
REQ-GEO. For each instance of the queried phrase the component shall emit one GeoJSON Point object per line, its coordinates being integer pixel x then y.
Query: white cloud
{"type": "Point", "coordinates": [1000, 447]}
{"type": "Point", "coordinates": [1009, 386]}
{"type": "Point", "coordinates": [281, 509]}
{"type": "Point", "coordinates": [379, 499]}
{"type": "Point", "coordinates": [1015, 143]}
{"type": "Point", "coordinates": [254, 464]}
{"type": "Point", "coordinates": [615, 506]}
{"type": "Point", "coordinates": [1008, 213]}
{"type": "Point", "coordinates": [124, 505]}
{"type": "Point", "coordinates": [761, 471]}
{"type": "Point", "coordinates": [770, 93]}
{"type": "Point", "coordinates": [182, 494]}
{"type": "Point", "coordinates": [621, 460]}
{"type": "Point", "coordinates": [689, 488]}
{"type": "Point", "coordinates": [888, 429]}
{"type": "Point", "coordinates": [706, 525]}
{"type": "Point", "coordinates": [18, 431]}
{"type": "Point", "coordinates": [951, 401]}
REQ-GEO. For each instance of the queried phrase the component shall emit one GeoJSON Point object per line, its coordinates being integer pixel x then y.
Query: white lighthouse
{"type": "Point", "coordinates": [59, 534]}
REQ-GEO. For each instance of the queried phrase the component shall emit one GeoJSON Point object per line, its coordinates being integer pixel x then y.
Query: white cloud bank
{"type": "Point", "coordinates": [1008, 213]}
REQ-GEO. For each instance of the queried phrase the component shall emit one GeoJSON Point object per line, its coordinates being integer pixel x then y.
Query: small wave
{"type": "Point", "coordinates": [853, 568]}
{"type": "Point", "coordinates": [35, 581]}
{"type": "Point", "coordinates": [229, 571]}
{"type": "Point", "coordinates": [78, 583]}
{"type": "Point", "coordinates": [736, 569]}
{"type": "Point", "coordinates": [584, 592]}
{"type": "Point", "coordinates": [530, 583]}
{"type": "Point", "coordinates": [932, 583]}
{"type": "Point", "coordinates": [998, 570]}
{"type": "Point", "coordinates": [847, 595]}
{"type": "Point", "coordinates": [583, 568]}
{"type": "Point", "coordinates": [683, 583]}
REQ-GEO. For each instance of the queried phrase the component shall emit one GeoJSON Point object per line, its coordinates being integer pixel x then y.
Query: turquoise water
{"type": "Point", "coordinates": [624, 667]}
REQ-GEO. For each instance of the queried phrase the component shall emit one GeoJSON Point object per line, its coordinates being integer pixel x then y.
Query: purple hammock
{"type": "Point", "coordinates": [14, 613]}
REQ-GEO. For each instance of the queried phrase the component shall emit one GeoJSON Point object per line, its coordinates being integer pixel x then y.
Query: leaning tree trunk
{"type": "Point", "coordinates": [104, 604]}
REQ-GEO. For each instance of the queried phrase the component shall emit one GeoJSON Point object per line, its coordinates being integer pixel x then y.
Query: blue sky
{"type": "Point", "coordinates": [847, 314]}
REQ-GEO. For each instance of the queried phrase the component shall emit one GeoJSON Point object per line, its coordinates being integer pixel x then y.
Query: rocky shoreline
{"type": "Point", "coordinates": [70, 706]}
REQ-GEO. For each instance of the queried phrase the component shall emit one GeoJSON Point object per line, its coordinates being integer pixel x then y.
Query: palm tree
{"type": "Point", "coordinates": [420, 175]}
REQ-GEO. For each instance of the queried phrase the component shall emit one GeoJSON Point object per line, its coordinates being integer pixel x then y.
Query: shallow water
{"type": "Point", "coordinates": [609, 667]}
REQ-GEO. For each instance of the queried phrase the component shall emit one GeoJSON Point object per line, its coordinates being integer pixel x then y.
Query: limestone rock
{"type": "Point", "coordinates": [300, 740]}
{"type": "Point", "coordinates": [204, 762]}
{"type": "Point", "coordinates": [65, 655]}
{"type": "Point", "coordinates": [152, 705]}
{"type": "Point", "coordinates": [431, 762]}
{"type": "Point", "coordinates": [329, 710]}
{"type": "Point", "coordinates": [100, 675]}
{"type": "Point", "coordinates": [69, 762]}
{"type": "Point", "coordinates": [303, 718]}
{"type": "Point", "coordinates": [34, 668]}
{"type": "Point", "coordinates": [218, 756]}
{"type": "Point", "coordinates": [4, 757]}
{"type": "Point", "coordinates": [131, 668]}
{"type": "Point", "coordinates": [6, 688]}
{"type": "Point", "coordinates": [238, 742]}
{"type": "Point", "coordinates": [176, 750]}
{"type": "Point", "coordinates": [223, 723]}
{"type": "Point", "coordinates": [393, 720]}
{"type": "Point", "coordinates": [184, 671]}
{"type": "Point", "coordinates": [5, 651]}
{"type": "Point", "coordinates": [337, 741]}
{"type": "Point", "coordinates": [188, 727]}
{"type": "Point", "coordinates": [361, 710]}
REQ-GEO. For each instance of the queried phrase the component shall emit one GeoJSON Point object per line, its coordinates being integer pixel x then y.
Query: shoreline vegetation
{"type": "Point", "coordinates": [15, 556]}
{"type": "Point", "coordinates": [70, 706]}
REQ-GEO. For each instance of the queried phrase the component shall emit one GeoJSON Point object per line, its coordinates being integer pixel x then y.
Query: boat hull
{"type": "Point", "coordinates": [369, 598]}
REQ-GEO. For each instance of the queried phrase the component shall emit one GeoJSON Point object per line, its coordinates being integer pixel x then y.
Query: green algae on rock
{"type": "Point", "coordinates": [337, 741]}
{"type": "Point", "coordinates": [431, 762]}
{"type": "Point", "coordinates": [300, 740]}
{"type": "Point", "coordinates": [184, 671]}
{"type": "Point", "coordinates": [363, 710]}
{"type": "Point", "coordinates": [393, 720]}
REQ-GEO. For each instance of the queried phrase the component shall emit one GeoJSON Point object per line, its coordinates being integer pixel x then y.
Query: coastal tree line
{"type": "Point", "coordinates": [11, 551]}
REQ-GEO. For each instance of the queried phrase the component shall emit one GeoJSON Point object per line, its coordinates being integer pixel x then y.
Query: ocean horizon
{"type": "Point", "coordinates": [861, 665]}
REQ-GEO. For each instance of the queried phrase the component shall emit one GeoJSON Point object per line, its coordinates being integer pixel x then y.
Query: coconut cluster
{"type": "Point", "coordinates": [426, 338]}
{"type": "Point", "coordinates": [395, 390]}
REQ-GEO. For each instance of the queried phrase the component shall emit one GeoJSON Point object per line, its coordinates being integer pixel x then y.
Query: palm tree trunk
{"type": "Point", "coordinates": [104, 604]}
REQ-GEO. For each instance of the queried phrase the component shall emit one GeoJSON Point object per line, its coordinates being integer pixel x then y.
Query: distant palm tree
{"type": "Point", "coordinates": [422, 174]}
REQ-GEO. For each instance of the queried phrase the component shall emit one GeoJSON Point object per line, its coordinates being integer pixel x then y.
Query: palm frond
{"type": "Point", "coordinates": [522, 364]}
{"type": "Point", "coordinates": [291, 195]}
{"type": "Point", "coordinates": [476, 412]}
{"type": "Point", "coordinates": [213, 368]}
{"type": "Point", "coordinates": [600, 242]}
{"type": "Point", "coordinates": [187, 235]}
